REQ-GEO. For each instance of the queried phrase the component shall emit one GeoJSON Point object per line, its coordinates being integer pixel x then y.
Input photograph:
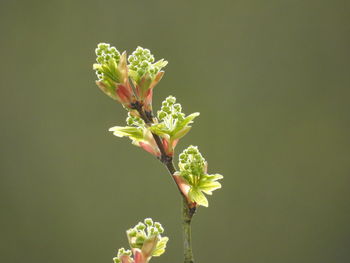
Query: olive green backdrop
{"type": "Point", "coordinates": [271, 80]}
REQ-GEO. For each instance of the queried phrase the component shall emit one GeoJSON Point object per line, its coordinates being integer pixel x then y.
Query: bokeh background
{"type": "Point", "coordinates": [271, 80]}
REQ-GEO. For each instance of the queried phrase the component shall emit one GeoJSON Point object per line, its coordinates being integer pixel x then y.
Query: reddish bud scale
{"type": "Point", "coordinates": [126, 259]}
{"type": "Point", "coordinates": [150, 148]}
{"type": "Point", "coordinates": [125, 94]}
{"type": "Point", "coordinates": [184, 188]}
{"type": "Point", "coordinates": [169, 146]}
{"type": "Point", "coordinates": [138, 257]}
{"type": "Point", "coordinates": [148, 100]}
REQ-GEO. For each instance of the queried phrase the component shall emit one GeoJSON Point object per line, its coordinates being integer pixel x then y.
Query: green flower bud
{"type": "Point", "coordinates": [132, 232]}
{"type": "Point", "coordinates": [166, 109]}
{"type": "Point", "coordinates": [171, 100]}
{"type": "Point", "coordinates": [129, 121]}
{"type": "Point", "coordinates": [148, 221]}
{"type": "Point", "coordinates": [134, 121]}
{"type": "Point", "coordinates": [139, 241]}
{"type": "Point", "coordinates": [161, 115]}
{"type": "Point", "coordinates": [177, 107]}
{"type": "Point", "coordinates": [140, 226]}
{"type": "Point", "coordinates": [145, 64]}
{"type": "Point", "coordinates": [159, 227]}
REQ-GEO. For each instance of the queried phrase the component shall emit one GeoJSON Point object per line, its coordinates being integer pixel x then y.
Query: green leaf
{"type": "Point", "coordinates": [144, 84]}
{"type": "Point", "coordinates": [209, 186]}
{"type": "Point", "coordinates": [214, 177]}
{"type": "Point", "coordinates": [109, 70]}
{"type": "Point", "coordinates": [96, 66]}
{"type": "Point", "coordinates": [190, 118]}
{"type": "Point", "coordinates": [187, 120]}
{"type": "Point", "coordinates": [134, 76]}
{"type": "Point", "coordinates": [181, 133]}
{"type": "Point", "coordinates": [132, 132]}
{"type": "Point", "coordinates": [107, 89]}
{"type": "Point", "coordinates": [198, 197]}
{"type": "Point", "coordinates": [160, 249]}
{"type": "Point", "coordinates": [161, 63]}
{"type": "Point", "coordinates": [149, 246]}
{"type": "Point", "coordinates": [159, 129]}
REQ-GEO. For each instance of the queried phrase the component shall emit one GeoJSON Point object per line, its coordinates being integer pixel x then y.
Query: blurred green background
{"type": "Point", "coordinates": [271, 80]}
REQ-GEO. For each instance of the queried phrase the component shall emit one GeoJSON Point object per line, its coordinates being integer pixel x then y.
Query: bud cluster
{"type": "Point", "coordinates": [173, 124]}
{"type": "Point", "coordinates": [170, 111]}
{"type": "Point", "coordinates": [145, 74]}
{"type": "Point", "coordinates": [105, 53]}
{"type": "Point", "coordinates": [132, 120]}
{"type": "Point", "coordinates": [113, 73]}
{"type": "Point", "coordinates": [145, 241]}
{"type": "Point", "coordinates": [142, 232]}
{"type": "Point", "coordinates": [192, 163]}
{"type": "Point", "coordinates": [193, 171]}
{"type": "Point", "coordinates": [141, 62]}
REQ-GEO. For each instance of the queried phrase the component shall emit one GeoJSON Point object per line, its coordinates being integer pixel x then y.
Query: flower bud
{"type": "Point", "coordinates": [149, 221]}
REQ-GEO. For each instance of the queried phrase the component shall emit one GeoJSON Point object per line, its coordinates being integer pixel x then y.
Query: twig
{"type": "Point", "coordinates": [187, 210]}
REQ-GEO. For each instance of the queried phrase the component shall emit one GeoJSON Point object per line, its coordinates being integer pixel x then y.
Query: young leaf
{"type": "Point", "coordinates": [161, 245]}
{"type": "Point", "coordinates": [198, 197]}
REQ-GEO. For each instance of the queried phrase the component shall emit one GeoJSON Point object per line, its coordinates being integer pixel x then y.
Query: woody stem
{"type": "Point", "coordinates": [187, 210]}
{"type": "Point", "coordinates": [164, 158]}
{"type": "Point", "coordinates": [186, 230]}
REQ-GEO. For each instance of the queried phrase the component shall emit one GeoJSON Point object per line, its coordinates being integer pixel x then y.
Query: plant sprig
{"type": "Point", "coordinates": [130, 81]}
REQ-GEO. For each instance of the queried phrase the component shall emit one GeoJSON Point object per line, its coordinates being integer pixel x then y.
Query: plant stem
{"type": "Point", "coordinates": [187, 215]}
{"type": "Point", "coordinates": [164, 158]}
{"type": "Point", "coordinates": [187, 210]}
